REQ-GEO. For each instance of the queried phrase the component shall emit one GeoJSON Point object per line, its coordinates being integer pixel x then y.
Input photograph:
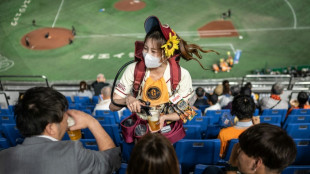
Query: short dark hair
{"type": "Point", "coordinates": [38, 107]}
{"type": "Point", "coordinates": [243, 107]}
{"type": "Point", "coordinates": [226, 87]}
{"type": "Point", "coordinates": [153, 154]}
{"type": "Point", "coordinates": [200, 91]}
{"type": "Point", "coordinates": [213, 98]}
{"type": "Point", "coordinates": [248, 85]}
{"type": "Point", "coordinates": [302, 99]}
{"type": "Point", "coordinates": [277, 89]}
{"type": "Point", "coordinates": [246, 91]}
{"type": "Point", "coordinates": [235, 90]}
{"type": "Point", "coordinates": [270, 143]}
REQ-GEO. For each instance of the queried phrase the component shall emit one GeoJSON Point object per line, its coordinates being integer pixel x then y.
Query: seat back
{"type": "Point", "coordinates": [108, 112]}
{"type": "Point", "coordinates": [297, 119]}
{"type": "Point", "coordinates": [281, 112]}
{"type": "Point", "coordinates": [271, 119]}
{"type": "Point", "coordinates": [300, 112]}
{"type": "Point", "coordinates": [231, 144]}
{"type": "Point", "coordinates": [9, 119]}
{"type": "Point", "coordinates": [126, 112]}
{"type": "Point", "coordinates": [12, 134]}
{"type": "Point", "coordinates": [192, 131]}
{"type": "Point", "coordinates": [298, 169]}
{"type": "Point", "coordinates": [303, 152]}
{"type": "Point", "coordinates": [203, 108]}
{"type": "Point", "coordinates": [81, 99]}
{"type": "Point", "coordinates": [298, 130]}
{"type": "Point", "coordinates": [90, 144]}
{"type": "Point", "coordinates": [114, 132]}
{"type": "Point", "coordinates": [95, 99]}
{"type": "Point", "coordinates": [4, 143]}
{"type": "Point", "coordinates": [217, 114]}
{"type": "Point", "coordinates": [106, 119]}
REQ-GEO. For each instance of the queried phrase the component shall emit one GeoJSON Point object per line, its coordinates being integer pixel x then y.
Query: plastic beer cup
{"type": "Point", "coordinates": [76, 134]}
{"type": "Point", "coordinates": [154, 120]}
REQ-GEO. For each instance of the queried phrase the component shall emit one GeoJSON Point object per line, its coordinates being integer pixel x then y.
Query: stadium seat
{"type": "Point", "coordinates": [271, 119]}
{"type": "Point", "coordinates": [111, 129]}
{"type": "Point", "coordinates": [212, 131]}
{"type": "Point", "coordinates": [275, 112]}
{"type": "Point", "coordinates": [199, 113]}
{"type": "Point", "coordinates": [203, 108]}
{"type": "Point", "coordinates": [7, 119]}
{"type": "Point", "coordinates": [217, 114]}
{"type": "Point", "coordinates": [81, 99]}
{"type": "Point", "coordinates": [192, 152]}
{"type": "Point", "coordinates": [203, 121]}
{"type": "Point", "coordinates": [12, 134]}
{"type": "Point", "coordinates": [6, 112]}
{"type": "Point", "coordinates": [4, 144]}
{"type": "Point", "coordinates": [303, 152]}
{"type": "Point", "coordinates": [126, 150]}
{"type": "Point", "coordinates": [300, 112]}
{"type": "Point", "coordinates": [126, 112]}
{"type": "Point", "coordinates": [298, 130]}
{"type": "Point", "coordinates": [108, 112]}
{"type": "Point", "coordinates": [256, 112]}
{"type": "Point", "coordinates": [106, 119]}
{"type": "Point", "coordinates": [229, 148]}
{"type": "Point", "coordinates": [95, 99]}
{"type": "Point", "coordinates": [298, 169]}
{"type": "Point", "coordinates": [192, 131]}
{"type": "Point", "coordinates": [69, 99]}
{"type": "Point", "coordinates": [89, 144]}
{"type": "Point", "coordinates": [123, 168]}
{"type": "Point", "coordinates": [297, 119]}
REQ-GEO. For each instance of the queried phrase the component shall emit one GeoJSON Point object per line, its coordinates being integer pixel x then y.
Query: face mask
{"type": "Point", "coordinates": [151, 61]}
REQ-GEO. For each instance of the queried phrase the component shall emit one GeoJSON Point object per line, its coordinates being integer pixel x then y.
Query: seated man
{"type": "Point", "coordinates": [243, 108]}
{"type": "Point", "coordinates": [201, 100]}
{"type": "Point", "coordinates": [41, 116]}
{"type": "Point", "coordinates": [274, 101]}
{"type": "Point", "coordinates": [212, 101]}
{"type": "Point", "coordinates": [264, 149]}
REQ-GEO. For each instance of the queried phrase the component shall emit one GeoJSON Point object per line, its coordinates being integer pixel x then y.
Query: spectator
{"type": "Point", "coordinates": [41, 116]}
{"type": "Point", "coordinates": [263, 149]}
{"type": "Point", "coordinates": [301, 103]}
{"type": "Point", "coordinates": [218, 90]}
{"type": "Point", "coordinates": [274, 101]}
{"type": "Point", "coordinates": [84, 91]}
{"type": "Point", "coordinates": [226, 97]}
{"type": "Point", "coordinates": [243, 108]}
{"type": "Point", "coordinates": [105, 100]}
{"type": "Point", "coordinates": [212, 101]}
{"type": "Point", "coordinates": [153, 154]}
{"type": "Point", "coordinates": [235, 90]}
{"type": "Point", "coordinates": [99, 84]}
{"type": "Point", "coordinates": [201, 99]}
{"type": "Point", "coordinates": [249, 85]}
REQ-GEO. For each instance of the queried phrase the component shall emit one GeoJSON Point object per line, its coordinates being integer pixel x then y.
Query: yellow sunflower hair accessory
{"type": "Point", "coordinates": [171, 45]}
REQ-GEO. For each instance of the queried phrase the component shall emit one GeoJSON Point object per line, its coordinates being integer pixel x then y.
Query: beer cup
{"type": "Point", "coordinates": [76, 134]}
{"type": "Point", "coordinates": [154, 120]}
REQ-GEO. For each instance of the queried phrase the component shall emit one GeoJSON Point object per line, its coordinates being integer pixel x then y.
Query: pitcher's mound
{"type": "Point", "coordinates": [47, 38]}
{"type": "Point", "coordinates": [129, 5]}
{"type": "Point", "coordinates": [218, 29]}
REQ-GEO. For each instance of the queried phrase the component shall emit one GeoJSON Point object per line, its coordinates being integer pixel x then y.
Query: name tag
{"type": "Point", "coordinates": [175, 98]}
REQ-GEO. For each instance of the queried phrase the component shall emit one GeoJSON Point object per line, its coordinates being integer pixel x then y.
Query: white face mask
{"type": "Point", "coordinates": [151, 61]}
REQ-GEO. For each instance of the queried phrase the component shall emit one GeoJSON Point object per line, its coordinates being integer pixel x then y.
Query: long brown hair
{"type": "Point", "coordinates": [187, 51]}
{"type": "Point", "coordinates": [153, 154]}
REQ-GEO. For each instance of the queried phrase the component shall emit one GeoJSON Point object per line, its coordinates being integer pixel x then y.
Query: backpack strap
{"type": "Point", "coordinates": [139, 69]}
{"type": "Point", "coordinates": [175, 72]}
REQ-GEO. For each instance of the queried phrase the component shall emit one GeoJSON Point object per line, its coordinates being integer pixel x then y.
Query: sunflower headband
{"type": "Point", "coordinates": [171, 45]}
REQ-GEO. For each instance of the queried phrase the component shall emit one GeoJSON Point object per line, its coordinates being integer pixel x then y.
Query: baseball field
{"type": "Point", "coordinates": [270, 34]}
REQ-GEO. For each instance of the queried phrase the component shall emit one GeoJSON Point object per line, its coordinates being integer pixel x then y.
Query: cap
{"type": "Point", "coordinates": [153, 21]}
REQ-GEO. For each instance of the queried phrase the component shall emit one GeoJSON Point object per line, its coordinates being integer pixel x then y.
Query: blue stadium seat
{"type": "Point", "coordinates": [229, 148]}
{"type": "Point", "coordinates": [275, 112]}
{"type": "Point", "coordinates": [212, 131]}
{"type": "Point", "coordinates": [298, 130]}
{"type": "Point", "coordinates": [298, 169]}
{"type": "Point", "coordinates": [106, 119]}
{"type": "Point", "coordinates": [66, 137]}
{"type": "Point", "coordinates": [300, 112]}
{"type": "Point", "coordinates": [108, 112]}
{"type": "Point", "coordinates": [111, 129]}
{"type": "Point", "coordinates": [126, 112]}
{"type": "Point", "coordinates": [192, 152]}
{"type": "Point", "coordinates": [199, 113]}
{"type": "Point", "coordinates": [123, 169]}
{"type": "Point", "coordinates": [81, 99]}
{"type": "Point", "coordinates": [89, 144]}
{"type": "Point", "coordinates": [7, 119]}
{"type": "Point", "coordinates": [217, 114]}
{"type": "Point", "coordinates": [192, 131]}
{"type": "Point", "coordinates": [6, 112]}
{"type": "Point", "coordinates": [303, 152]}
{"type": "Point", "coordinates": [203, 108]}
{"type": "Point", "coordinates": [271, 119]}
{"type": "Point", "coordinates": [256, 112]}
{"type": "Point", "coordinates": [12, 134]}
{"type": "Point", "coordinates": [69, 99]}
{"type": "Point", "coordinates": [297, 119]}
{"type": "Point", "coordinates": [126, 150]}
{"type": "Point", "coordinates": [203, 121]}
{"type": "Point", "coordinates": [95, 99]}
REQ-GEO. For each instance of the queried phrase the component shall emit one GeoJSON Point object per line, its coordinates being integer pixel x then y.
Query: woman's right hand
{"type": "Point", "coordinates": [133, 104]}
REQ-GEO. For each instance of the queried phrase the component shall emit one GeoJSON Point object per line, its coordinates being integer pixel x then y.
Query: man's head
{"type": "Point", "coordinates": [243, 107]}
{"type": "Point", "coordinates": [277, 89]}
{"type": "Point", "coordinates": [302, 98]}
{"type": "Point", "coordinates": [200, 92]}
{"type": "Point", "coordinates": [42, 110]}
{"type": "Point", "coordinates": [100, 78]}
{"type": "Point", "coordinates": [265, 147]}
{"type": "Point", "coordinates": [106, 92]}
{"type": "Point", "coordinates": [212, 99]}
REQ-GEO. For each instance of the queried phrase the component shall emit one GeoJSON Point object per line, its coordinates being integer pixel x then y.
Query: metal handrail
{"type": "Point", "coordinates": [23, 76]}
{"type": "Point", "coordinates": [6, 98]}
{"type": "Point", "coordinates": [270, 76]}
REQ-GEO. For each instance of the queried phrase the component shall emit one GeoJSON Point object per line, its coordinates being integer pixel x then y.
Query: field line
{"type": "Point", "coordinates": [293, 11]}
{"type": "Point", "coordinates": [62, 1]}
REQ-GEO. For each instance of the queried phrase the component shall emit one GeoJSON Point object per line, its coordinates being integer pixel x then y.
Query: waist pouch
{"type": "Point", "coordinates": [177, 131]}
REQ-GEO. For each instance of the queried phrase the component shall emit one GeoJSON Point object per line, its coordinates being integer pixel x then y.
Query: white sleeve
{"type": "Point", "coordinates": [185, 87]}
{"type": "Point", "coordinates": [124, 87]}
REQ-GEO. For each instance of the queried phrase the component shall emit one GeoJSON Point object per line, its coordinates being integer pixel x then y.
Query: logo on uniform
{"type": "Point", "coordinates": [153, 93]}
